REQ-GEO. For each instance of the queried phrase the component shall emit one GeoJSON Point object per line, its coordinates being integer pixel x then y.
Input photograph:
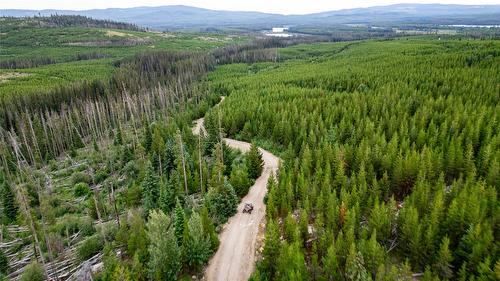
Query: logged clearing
{"type": "Point", "coordinates": [111, 33]}
{"type": "Point", "coordinates": [4, 77]}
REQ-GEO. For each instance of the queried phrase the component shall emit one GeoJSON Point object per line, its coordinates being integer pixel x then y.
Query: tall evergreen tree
{"type": "Point", "coordinates": [197, 244]}
{"type": "Point", "coordinates": [179, 222]}
{"type": "Point", "coordinates": [442, 265]}
{"type": "Point", "coordinates": [271, 249]}
{"type": "Point", "coordinates": [254, 162]}
{"type": "Point", "coordinates": [164, 252]}
{"type": "Point", "coordinates": [209, 228]}
{"type": "Point", "coordinates": [150, 189]}
{"type": "Point", "coordinates": [10, 208]}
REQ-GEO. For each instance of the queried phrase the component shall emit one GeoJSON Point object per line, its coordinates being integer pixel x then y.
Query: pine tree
{"type": "Point", "coordinates": [4, 263]}
{"type": "Point", "coordinates": [150, 190]}
{"type": "Point", "coordinates": [442, 265]}
{"type": "Point", "coordinates": [197, 245]}
{"type": "Point", "coordinates": [331, 264]}
{"type": "Point", "coordinates": [179, 222]}
{"type": "Point", "coordinates": [271, 249]}
{"type": "Point", "coordinates": [137, 238]}
{"type": "Point", "coordinates": [10, 208]}
{"type": "Point", "coordinates": [137, 269]}
{"type": "Point", "coordinates": [240, 181]}
{"type": "Point", "coordinates": [169, 157]}
{"type": "Point", "coordinates": [254, 162]}
{"type": "Point", "coordinates": [209, 229]}
{"type": "Point", "coordinates": [290, 264]}
{"type": "Point", "coordinates": [121, 273]}
{"type": "Point", "coordinates": [355, 267]}
{"type": "Point", "coordinates": [157, 144]}
{"type": "Point", "coordinates": [167, 196]}
{"type": "Point", "coordinates": [164, 252]}
{"type": "Point", "coordinates": [222, 202]}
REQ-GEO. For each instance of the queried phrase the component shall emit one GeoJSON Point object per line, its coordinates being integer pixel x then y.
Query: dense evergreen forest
{"type": "Point", "coordinates": [391, 158]}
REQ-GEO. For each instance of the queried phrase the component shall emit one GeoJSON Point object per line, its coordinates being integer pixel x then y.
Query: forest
{"type": "Point", "coordinates": [389, 148]}
{"type": "Point", "coordinates": [391, 158]}
{"type": "Point", "coordinates": [109, 173]}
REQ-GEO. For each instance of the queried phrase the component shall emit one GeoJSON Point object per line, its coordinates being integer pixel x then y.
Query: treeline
{"type": "Point", "coordinates": [66, 21]}
{"type": "Point", "coordinates": [391, 161]}
{"type": "Point", "coordinates": [343, 33]}
{"type": "Point", "coordinates": [39, 61]}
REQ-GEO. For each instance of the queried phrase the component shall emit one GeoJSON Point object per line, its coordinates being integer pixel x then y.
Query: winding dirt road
{"type": "Point", "coordinates": [235, 258]}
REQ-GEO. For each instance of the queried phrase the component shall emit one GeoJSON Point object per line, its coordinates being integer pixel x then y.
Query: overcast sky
{"type": "Point", "coordinates": [270, 6]}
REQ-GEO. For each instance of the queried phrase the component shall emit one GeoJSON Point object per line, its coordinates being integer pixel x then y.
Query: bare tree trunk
{"type": "Point", "coordinates": [183, 163]}
{"type": "Point", "coordinates": [114, 205]}
{"type": "Point", "coordinates": [200, 159]}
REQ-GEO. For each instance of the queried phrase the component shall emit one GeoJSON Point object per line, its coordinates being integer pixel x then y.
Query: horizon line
{"type": "Point", "coordinates": [249, 11]}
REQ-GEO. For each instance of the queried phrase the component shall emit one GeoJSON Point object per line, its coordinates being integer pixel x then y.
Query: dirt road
{"type": "Point", "coordinates": [235, 258]}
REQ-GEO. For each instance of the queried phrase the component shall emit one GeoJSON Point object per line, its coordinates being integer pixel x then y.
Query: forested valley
{"type": "Point", "coordinates": [389, 150]}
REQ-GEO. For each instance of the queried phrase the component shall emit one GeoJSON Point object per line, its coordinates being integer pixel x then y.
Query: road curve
{"type": "Point", "coordinates": [235, 258]}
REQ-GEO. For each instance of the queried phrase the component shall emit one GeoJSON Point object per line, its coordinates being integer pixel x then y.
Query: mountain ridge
{"type": "Point", "coordinates": [181, 16]}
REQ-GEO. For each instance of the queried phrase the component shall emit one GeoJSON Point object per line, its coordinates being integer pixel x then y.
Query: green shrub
{"type": "Point", "coordinates": [33, 272]}
{"type": "Point", "coordinates": [81, 189]}
{"type": "Point", "coordinates": [100, 176]}
{"type": "Point", "coordinates": [4, 263]}
{"type": "Point", "coordinates": [240, 181]}
{"type": "Point", "coordinates": [71, 224]}
{"type": "Point", "coordinates": [78, 177]}
{"type": "Point", "coordinates": [89, 247]}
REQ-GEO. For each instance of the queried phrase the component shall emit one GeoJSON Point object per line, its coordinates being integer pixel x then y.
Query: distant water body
{"type": "Point", "coordinates": [474, 26]}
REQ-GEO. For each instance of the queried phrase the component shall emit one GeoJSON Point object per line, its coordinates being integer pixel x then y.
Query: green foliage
{"type": "Point", "coordinates": [165, 255]}
{"type": "Point", "coordinates": [8, 200]}
{"type": "Point", "coordinates": [222, 202]}
{"type": "Point", "coordinates": [137, 238]}
{"type": "Point", "coordinates": [110, 262]}
{"type": "Point", "coordinates": [89, 247]}
{"type": "Point", "coordinates": [240, 181]}
{"type": "Point", "coordinates": [290, 264]}
{"type": "Point", "coordinates": [33, 272]}
{"type": "Point", "coordinates": [271, 249]}
{"type": "Point", "coordinates": [167, 196]}
{"type": "Point", "coordinates": [179, 222]}
{"type": "Point", "coordinates": [150, 189]}
{"type": "Point", "coordinates": [4, 263]}
{"type": "Point", "coordinates": [355, 268]}
{"type": "Point", "coordinates": [81, 177]}
{"type": "Point", "coordinates": [197, 245]}
{"type": "Point", "coordinates": [209, 229]}
{"type": "Point", "coordinates": [254, 162]}
{"type": "Point", "coordinates": [81, 189]}
{"type": "Point", "coordinates": [442, 265]}
{"type": "Point", "coordinates": [391, 146]}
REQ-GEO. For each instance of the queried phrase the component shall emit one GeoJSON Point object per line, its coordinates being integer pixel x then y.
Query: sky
{"type": "Point", "coordinates": [269, 6]}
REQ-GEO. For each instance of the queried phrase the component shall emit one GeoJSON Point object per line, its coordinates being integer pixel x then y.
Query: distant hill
{"type": "Point", "coordinates": [64, 21]}
{"type": "Point", "coordinates": [178, 17]}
